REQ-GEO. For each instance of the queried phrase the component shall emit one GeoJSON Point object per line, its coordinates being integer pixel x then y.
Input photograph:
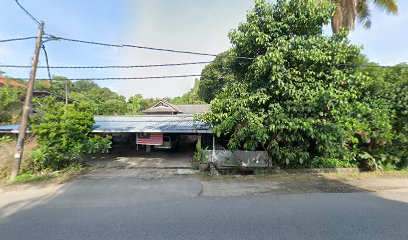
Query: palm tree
{"type": "Point", "coordinates": [348, 11]}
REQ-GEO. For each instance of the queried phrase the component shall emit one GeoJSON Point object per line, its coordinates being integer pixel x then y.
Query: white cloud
{"type": "Point", "coordinates": [199, 26]}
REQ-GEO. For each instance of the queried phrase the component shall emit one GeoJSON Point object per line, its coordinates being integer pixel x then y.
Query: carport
{"type": "Point", "coordinates": [126, 154]}
{"type": "Point", "coordinates": [186, 129]}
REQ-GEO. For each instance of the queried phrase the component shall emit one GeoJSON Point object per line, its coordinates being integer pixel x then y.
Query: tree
{"type": "Point", "coordinates": [191, 97]}
{"type": "Point", "coordinates": [348, 11]}
{"type": "Point", "coordinates": [381, 129]}
{"type": "Point", "coordinates": [84, 86]}
{"type": "Point", "coordinates": [102, 100]}
{"type": "Point", "coordinates": [290, 99]}
{"type": "Point", "coordinates": [9, 104]}
{"type": "Point", "coordinates": [214, 77]}
{"type": "Point", "coordinates": [63, 133]}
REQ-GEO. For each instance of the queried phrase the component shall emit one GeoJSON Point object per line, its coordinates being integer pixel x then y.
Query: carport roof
{"type": "Point", "coordinates": [149, 123]}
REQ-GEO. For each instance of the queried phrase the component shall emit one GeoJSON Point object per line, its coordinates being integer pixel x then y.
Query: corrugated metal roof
{"type": "Point", "coordinates": [193, 108]}
{"type": "Point", "coordinates": [149, 123]}
{"type": "Point", "coordinates": [142, 123]}
{"type": "Point", "coordinates": [9, 129]}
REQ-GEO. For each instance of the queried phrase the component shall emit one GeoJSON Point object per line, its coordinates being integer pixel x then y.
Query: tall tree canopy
{"type": "Point", "coordinates": [303, 98]}
{"type": "Point", "coordinates": [291, 98]}
{"type": "Point", "coordinates": [214, 77]}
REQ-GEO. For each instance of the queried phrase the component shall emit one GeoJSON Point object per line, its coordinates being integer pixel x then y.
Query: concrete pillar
{"type": "Point", "coordinates": [199, 139]}
{"type": "Point", "coordinates": [213, 149]}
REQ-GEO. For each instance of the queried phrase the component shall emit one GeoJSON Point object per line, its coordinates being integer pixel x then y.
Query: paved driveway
{"type": "Point", "coordinates": [124, 157]}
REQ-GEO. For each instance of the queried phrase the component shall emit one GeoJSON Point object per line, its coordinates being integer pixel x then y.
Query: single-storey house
{"type": "Point", "coordinates": [164, 125]}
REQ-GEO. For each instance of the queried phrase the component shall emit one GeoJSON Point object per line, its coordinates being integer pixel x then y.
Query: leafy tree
{"type": "Point", "coordinates": [215, 76]}
{"type": "Point", "coordinates": [84, 86]}
{"type": "Point", "coordinates": [381, 129]}
{"type": "Point", "coordinates": [63, 133]}
{"type": "Point", "coordinates": [136, 104]}
{"type": "Point", "coordinates": [191, 97]}
{"type": "Point", "coordinates": [101, 100]}
{"type": "Point", "coordinates": [289, 100]}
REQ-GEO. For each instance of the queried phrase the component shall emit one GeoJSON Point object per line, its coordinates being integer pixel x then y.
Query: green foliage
{"type": "Point", "coordinates": [29, 177]}
{"type": "Point", "coordinates": [215, 77]}
{"type": "Point", "coordinates": [5, 139]}
{"type": "Point", "coordinates": [9, 104]}
{"type": "Point", "coordinates": [300, 99]}
{"type": "Point", "coordinates": [136, 104]}
{"type": "Point", "coordinates": [63, 133]}
{"type": "Point", "coordinates": [381, 137]}
{"type": "Point", "coordinates": [190, 97]}
{"type": "Point", "coordinates": [289, 99]}
{"type": "Point", "coordinates": [101, 100]}
{"type": "Point", "coordinates": [98, 144]}
{"type": "Point", "coordinates": [200, 155]}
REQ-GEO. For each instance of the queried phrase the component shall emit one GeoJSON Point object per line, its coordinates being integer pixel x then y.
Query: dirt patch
{"type": "Point", "coordinates": [302, 183]}
{"type": "Point", "coordinates": [7, 151]}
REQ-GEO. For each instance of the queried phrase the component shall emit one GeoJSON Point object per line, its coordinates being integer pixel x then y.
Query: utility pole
{"type": "Point", "coordinates": [27, 106]}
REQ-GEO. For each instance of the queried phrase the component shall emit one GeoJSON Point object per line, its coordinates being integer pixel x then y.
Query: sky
{"type": "Point", "coordinates": [190, 25]}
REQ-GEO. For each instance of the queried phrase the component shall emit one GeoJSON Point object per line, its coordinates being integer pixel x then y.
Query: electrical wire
{"type": "Point", "coordinates": [16, 39]}
{"type": "Point", "coordinates": [28, 13]}
{"type": "Point", "coordinates": [51, 37]}
{"type": "Point", "coordinates": [124, 78]}
{"type": "Point", "coordinates": [48, 66]}
{"type": "Point", "coordinates": [110, 66]}
{"type": "Point", "coordinates": [163, 65]}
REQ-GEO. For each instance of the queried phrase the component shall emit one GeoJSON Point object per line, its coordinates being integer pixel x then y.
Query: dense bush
{"type": "Point", "coordinates": [302, 99]}
{"type": "Point", "coordinates": [9, 104]}
{"type": "Point", "coordinates": [64, 133]}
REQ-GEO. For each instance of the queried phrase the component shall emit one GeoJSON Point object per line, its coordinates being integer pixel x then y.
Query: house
{"type": "Point", "coordinates": [165, 108]}
{"type": "Point", "coordinates": [165, 122]}
{"type": "Point", "coordinates": [162, 125]}
{"type": "Point", "coordinates": [11, 83]}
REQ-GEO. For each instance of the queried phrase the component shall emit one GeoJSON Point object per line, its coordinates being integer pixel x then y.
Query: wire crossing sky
{"type": "Point", "coordinates": [184, 25]}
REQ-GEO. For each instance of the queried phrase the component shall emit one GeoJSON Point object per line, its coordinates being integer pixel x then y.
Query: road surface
{"type": "Point", "coordinates": [126, 207]}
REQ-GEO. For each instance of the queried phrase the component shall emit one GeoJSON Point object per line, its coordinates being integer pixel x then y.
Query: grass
{"type": "Point", "coordinates": [33, 178]}
{"type": "Point", "coordinates": [304, 176]}
{"type": "Point", "coordinates": [30, 177]}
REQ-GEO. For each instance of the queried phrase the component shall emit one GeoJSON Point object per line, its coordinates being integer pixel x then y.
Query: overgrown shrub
{"type": "Point", "coordinates": [300, 95]}
{"type": "Point", "coordinates": [64, 134]}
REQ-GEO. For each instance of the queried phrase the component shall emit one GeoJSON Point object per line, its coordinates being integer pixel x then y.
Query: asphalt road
{"type": "Point", "coordinates": [172, 208]}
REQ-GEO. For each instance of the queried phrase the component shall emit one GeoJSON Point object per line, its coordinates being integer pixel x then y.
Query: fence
{"type": "Point", "coordinates": [238, 158]}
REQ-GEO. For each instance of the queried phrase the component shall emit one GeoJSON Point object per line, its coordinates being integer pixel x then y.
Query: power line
{"type": "Point", "coordinates": [16, 39]}
{"type": "Point", "coordinates": [363, 65]}
{"type": "Point", "coordinates": [48, 66]}
{"type": "Point", "coordinates": [27, 13]}
{"type": "Point", "coordinates": [51, 37]}
{"type": "Point", "coordinates": [110, 66]}
{"type": "Point", "coordinates": [123, 78]}
{"type": "Point", "coordinates": [163, 65]}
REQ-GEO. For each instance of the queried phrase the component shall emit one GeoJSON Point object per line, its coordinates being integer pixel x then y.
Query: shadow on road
{"type": "Point", "coordinates": [306, 206]}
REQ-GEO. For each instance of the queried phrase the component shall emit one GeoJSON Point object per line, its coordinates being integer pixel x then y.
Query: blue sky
{"type": "Point", "coordinates": [193, 25]}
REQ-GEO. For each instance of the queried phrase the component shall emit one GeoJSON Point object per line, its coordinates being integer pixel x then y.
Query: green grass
{"type": "Point", "coordinates": [27, 176]}
{"type": "Point", "coordinates": [32, 178]}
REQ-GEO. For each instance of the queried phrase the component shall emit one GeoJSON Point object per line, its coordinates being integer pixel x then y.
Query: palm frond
{"type": "Point", "coordinates": [363, 13]}
{"type": "Point", "coordinates": [389, 6]}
